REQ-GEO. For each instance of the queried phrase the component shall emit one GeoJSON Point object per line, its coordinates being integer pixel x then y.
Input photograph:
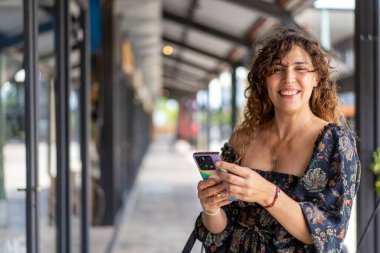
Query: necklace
{"type": "Point", "coordinates": [274, 160]}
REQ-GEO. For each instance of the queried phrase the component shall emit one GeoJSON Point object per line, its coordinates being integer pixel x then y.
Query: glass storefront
{"type": "Point", "coordinates": [46, 162]}
{"type": "Point", "coordinates": [13, 156]}
{"type": "Point", "coordinates": [12, 146]}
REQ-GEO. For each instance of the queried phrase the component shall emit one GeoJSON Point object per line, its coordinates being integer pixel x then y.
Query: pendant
{"type": "Point", "coordinates": [274, 162]}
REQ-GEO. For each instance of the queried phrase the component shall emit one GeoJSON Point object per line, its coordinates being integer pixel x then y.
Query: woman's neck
{"type": "Point", "coordinates": [285, 127]}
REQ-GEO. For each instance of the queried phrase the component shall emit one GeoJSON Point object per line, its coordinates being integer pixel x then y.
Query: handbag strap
{"type": "Point", "coordinates": [190, 243]}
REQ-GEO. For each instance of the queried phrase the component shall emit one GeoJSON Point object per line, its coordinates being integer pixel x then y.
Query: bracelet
{"type": "Point", "coordinates": [278, 191]}
{"type": "Point", "coordinates": [212, 214]}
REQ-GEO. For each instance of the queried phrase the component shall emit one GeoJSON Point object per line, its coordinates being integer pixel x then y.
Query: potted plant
{"type": "Point", "coordinates": [375, 167]}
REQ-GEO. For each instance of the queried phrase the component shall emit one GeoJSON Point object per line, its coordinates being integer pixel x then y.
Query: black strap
{"type": "Point", "coordinates": [190, 243]}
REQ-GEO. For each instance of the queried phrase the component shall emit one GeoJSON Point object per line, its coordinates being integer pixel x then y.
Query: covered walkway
{"type": "Point", "coordinates": [81, 82]}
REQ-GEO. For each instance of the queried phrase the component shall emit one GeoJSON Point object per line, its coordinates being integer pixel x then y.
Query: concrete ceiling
{"type": "Point", "coordinates": [208, 36]}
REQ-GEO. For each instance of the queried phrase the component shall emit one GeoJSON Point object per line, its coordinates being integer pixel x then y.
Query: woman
{"type": "Point", "coordinates": [292, 162]}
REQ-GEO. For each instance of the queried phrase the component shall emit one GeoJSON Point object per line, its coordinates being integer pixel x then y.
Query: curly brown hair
{"type": "Point", "coordinates": [324, 101]}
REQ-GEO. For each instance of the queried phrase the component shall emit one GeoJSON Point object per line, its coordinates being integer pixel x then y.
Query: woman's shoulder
{"type": "Point", "coordinates": [232, 149]}
{"type": "Point", "coordinates": [238, 137]}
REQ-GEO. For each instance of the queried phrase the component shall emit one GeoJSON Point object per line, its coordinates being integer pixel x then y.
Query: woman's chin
{"type": "Point", "coordinates": [290, 110]}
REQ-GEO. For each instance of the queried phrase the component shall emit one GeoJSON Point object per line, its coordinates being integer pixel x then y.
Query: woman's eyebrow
{"type": "Point", "coordinates": [301, 62]}
{"type": "Point", "coordinates": [294, 63]}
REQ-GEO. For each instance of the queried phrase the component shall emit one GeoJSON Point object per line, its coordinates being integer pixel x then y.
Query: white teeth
{"type": "Point", "coordinates": [288, 93]}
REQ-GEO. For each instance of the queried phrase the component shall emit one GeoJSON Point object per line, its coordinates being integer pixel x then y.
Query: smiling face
{"type": "Point", "coordinates": [292, 82]}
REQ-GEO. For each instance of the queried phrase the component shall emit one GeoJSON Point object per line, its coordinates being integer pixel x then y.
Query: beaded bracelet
{"type": "Point", "coordinates": [278, 191]}
{"type": "Point", "coordinates": [212, 214]}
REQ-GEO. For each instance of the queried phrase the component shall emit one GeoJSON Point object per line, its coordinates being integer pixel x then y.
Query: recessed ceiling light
{"type": "Point", "coordinates": [167, 50]}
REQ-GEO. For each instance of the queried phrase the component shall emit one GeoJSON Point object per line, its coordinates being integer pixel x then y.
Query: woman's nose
{"type": "Point", "coordinates": [289, 76]}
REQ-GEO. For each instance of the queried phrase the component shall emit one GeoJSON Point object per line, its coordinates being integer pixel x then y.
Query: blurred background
{"type": "Point", "coordinates": [103, 102]}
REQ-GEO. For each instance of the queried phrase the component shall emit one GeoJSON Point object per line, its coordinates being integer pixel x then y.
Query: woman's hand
{"type": "Point", "coordinates": [212, 195]}
{"type": "Point", "coordinates": [245, 184]}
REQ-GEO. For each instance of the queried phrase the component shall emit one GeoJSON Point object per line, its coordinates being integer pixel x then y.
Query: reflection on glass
{"type": "Point", "coordinates": [12, 155]}
{"type": "Point", "coordinates": [75, 170]}
{"type": "Point", "coordinates": [46, 161]}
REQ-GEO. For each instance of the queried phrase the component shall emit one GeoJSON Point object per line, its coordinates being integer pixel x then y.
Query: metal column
{"type": "Point", "coordinates": [376, 101]}
{"type": "Point", "coordinates": [85, 128]}
{"type": "Point", "coordinates": [107, 135]}
{"type": "Point", "coordinates": [367, 116]}
{"type": "Point", "coordinates": [62, 86]}
{"type": "Point", "coordinates": [233, 98]}
{"type": "Point", "coordinates": [208, 119]}
{"type": "Point", "coordinates": [31, 81]}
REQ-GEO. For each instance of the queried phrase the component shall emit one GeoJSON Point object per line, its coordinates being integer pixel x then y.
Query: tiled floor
{"type": "Point", "coordinates": [163, 204]}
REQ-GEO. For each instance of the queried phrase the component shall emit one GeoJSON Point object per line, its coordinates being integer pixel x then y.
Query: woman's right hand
{"type": "Point", "coordinates": [212, 195]}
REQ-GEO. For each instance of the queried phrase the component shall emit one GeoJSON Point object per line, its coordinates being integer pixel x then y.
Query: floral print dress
{"type": "Point", "coordinates": [325, 194]}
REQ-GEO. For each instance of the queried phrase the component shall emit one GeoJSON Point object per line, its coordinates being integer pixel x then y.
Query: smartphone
{"type": "Point", "coordinates": [206, 164]}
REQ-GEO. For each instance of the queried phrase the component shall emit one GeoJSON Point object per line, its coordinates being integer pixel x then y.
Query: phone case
{"type": "Point", "coordinates": [206, 163]}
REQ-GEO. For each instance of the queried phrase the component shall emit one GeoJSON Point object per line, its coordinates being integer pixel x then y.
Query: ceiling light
{"type": "Point", "coordinates": [335, 4]}
{"type": "Point", "coordinates": [167, 50]}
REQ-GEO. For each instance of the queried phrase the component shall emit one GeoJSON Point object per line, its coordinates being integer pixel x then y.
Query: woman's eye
{"type": "Point", "coordinates": [301, 69]}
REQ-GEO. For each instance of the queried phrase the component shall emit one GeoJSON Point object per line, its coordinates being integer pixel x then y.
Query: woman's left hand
{"type": "Point", "coordinates": [244, 183]}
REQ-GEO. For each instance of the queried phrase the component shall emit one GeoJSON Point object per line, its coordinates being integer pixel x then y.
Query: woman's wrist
{"type": "Point", "coordinates": [211, 213]}
{"type": "Point", "coordinates": [215, 223]}
{"type": "Point", "coordinates": [269, 195]}
{"type": "Point", "coordinates": [275, 197]}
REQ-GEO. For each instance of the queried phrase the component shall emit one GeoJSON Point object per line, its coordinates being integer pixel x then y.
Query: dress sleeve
{"type": "Point", "coordinates": [216, 240]}
{"type": "Point", "coordinates": [327, 189]}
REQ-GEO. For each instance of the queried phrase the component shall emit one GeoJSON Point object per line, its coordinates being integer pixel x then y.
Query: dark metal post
{"type": "Point", "coordinates": [233, 98]}
{"type": "Point", "coordinates": [62, 122]}
{"type": "Point", "coordinates": [31, 81]}
{"type": "Point", "coordinates": [208, 118]}
{"type": "Point", "coordinates": [376, 100]}
{"type": "Point", "coordinates": [85, 128]}
{"type": "Point", "coordinates": [366, 83]}
{"type": "Point", "coordinates": [107, 135]}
